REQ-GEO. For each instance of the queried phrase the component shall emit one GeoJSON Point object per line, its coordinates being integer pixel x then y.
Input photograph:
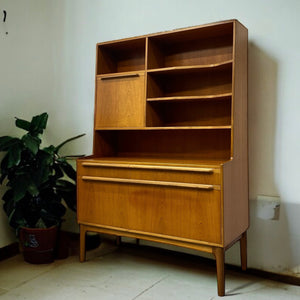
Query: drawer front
{"type": "Point", "coordinates": [180, 211]}
{"type": "Point", "coordinates": [151, 172]}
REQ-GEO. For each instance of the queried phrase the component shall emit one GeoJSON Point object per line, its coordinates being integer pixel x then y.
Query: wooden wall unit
{"type": "Point", "coordinates": [169, 159]}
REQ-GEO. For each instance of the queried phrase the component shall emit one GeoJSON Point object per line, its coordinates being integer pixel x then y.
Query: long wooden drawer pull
{"type": "Point", "coordinates": [151, 182]}
{"type": "Point", "coordinates": [120, 76]}
{"type": "Point", "coordinates": [150, 167]}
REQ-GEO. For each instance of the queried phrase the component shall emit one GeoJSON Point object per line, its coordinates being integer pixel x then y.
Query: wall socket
{"type": "Point", "coordinates": [268, 207]}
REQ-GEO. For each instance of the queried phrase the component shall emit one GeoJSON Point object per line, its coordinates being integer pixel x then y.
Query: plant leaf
{"type": "Point", "coordinates": [70, 199]}
{"type": "Point", "coordinates": [32, 189]}
{"type": "Point", "coordinates": [6, 142]}
{"type": "Point", "coordinates": [23, 184]}
{"type": "Point", "coordinates": [65, 185]}
{"type": "Point", "coordinates": [57, 148]}
{"type": "Point", "coordinates": [40, 223]}
{"type": "Point", "coordinates": [42, 173]}
{"type": "Point", "coordinates": [16, 219]}
{"type": "Point", "coordinates": [2, 177]}
{"type": "Point", "coordinates": [4, 164]}
{"type": "Point", "coordinates": [14, 155]}
{"type": "Point", "coordinates": [49, 150]}
{"type": "Point", "coordinates": [58, 173]}
{"type": "Point", "coordinates": [69, 170]}
{"type": "Point", "coordinates": [23, 124]}
{"type": "Point", "coordinates": [32, 143]}
{"type": "Point", "coordinates": [8, 196]}
{"type": "Point", "coordinates": [38, 124]}
{"type": "Point", "coordinates": [9, 204]}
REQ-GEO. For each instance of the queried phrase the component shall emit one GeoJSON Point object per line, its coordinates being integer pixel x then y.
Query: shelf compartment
{"type": "Point", "coordinates": [187, 69]}
{"type": "Point", "coordinates": [197, 46]}
{"type": "Point", "coordinates": [148, 128]}
{"type": "Point", "coordinates": [184, 82]}
{"type": "Point", "coordinates": [181, 144]}
{"type": "Point", "coordinates": [190, 98]}
{"type": "Point", "coordinates": [195, 113]}
{"type": "Point", "coordinates": [121, 56]}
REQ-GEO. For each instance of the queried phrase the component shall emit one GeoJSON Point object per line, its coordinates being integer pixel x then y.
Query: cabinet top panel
{"type": "Point", "coordinates": [216, 28]}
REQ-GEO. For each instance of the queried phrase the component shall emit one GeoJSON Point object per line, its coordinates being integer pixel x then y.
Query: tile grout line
{"type": "Point", "coordinates": [34, 277]}
{"type": "Point", "coordinates": [150, 287]}
{"type": "Point", "coordinates": [3, 291]}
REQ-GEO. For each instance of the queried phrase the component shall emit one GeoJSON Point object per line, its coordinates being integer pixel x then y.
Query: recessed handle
{"type": "Point", "coordinates": [152, 182]}
{"type": "Point", "coordinates": [149, 167]}
{"type": "Point", "coordinates": [120, 76]}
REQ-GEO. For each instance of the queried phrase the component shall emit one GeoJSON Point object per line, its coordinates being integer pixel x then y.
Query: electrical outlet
{"type": "Point", "coordinates": [268, 207]}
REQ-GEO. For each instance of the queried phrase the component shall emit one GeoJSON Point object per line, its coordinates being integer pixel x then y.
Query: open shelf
{"type": "Point", "coordinates": [213, 143]}
{"type": "Point", "coordinates": [187, 69]}
{"type": "Point", "coordinates": [196, 46]}
{"type": "Point", "coordinates": [182, 82]}
{"type": "Point", "coordinates": [190, 98]}
{"type": "Point", "coordinates": [148, 128]}
{"type": "Point", "coordinates": [121, 56]}
{"type": "Point", "coordinates": [208, 112]}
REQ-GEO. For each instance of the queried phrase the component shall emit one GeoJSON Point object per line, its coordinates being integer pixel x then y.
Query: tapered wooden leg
{"type": "Point", "coordinates": [82, 243]}
{"type": "Point", "coordinates": [220, 255]}
{"type": "Point", "coordinates": [243, 250]}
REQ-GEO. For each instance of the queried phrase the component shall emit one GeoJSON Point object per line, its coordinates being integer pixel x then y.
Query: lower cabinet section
{"type": "Point", "coordinates": [169, 203]}
{"type": "Point", "coordinates": [183, 211]}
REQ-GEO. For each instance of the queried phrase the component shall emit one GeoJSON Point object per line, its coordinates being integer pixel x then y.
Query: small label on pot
{"type": "Point", "coordinates": [33, 243]}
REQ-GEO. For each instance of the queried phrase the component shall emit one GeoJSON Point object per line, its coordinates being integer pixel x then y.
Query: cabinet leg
{"type": "Point", "coordinates": [220, 255]}
{"type": "Point", "coordinates": [118, 240]}
{"type": "Point", "coordinates": [82, 244]}
{"type": "Point", "coordinates": [243, 250]}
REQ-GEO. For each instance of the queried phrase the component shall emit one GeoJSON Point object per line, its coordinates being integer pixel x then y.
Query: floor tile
{"type": "Point", "coordinates": [2, 291]}
{"type": "Point", "coordinates": [15, 271]}
{"type": "Point", "coordinates": [131, 273]}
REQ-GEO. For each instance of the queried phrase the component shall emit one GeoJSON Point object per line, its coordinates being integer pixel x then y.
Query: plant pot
{"type": "Point", "coordinates": [38, 244]}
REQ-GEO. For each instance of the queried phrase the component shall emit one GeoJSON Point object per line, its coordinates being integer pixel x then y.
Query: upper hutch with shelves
{"type": "Point", "coordinates": [170, 140]}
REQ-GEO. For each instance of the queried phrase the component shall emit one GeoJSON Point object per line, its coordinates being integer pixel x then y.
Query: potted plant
{"type": "Point", "coordinates": [38, 180]}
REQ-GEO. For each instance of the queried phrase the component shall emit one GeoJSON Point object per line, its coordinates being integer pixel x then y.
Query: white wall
{"type": "Point", "coordinates": [47, 64]}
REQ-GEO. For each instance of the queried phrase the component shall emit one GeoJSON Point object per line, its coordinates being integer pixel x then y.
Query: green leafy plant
{"type": "Point", "coordinates": [38, 179]}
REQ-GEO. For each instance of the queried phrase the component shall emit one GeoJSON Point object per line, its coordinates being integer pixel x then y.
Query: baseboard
{"type": "Point", "coordinates": [13, 249]}
{"type": "Point", "coordinates": [289, 279]}
{"type": "Point", "coordinates": [9, 251]}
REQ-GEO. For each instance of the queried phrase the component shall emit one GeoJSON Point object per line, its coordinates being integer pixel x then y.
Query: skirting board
{"type": "Point", "coordinates": [9, 251]}
{"type": "Point", "coordinates": [13, 249]}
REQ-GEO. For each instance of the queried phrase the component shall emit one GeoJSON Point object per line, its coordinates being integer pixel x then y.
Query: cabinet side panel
{"type": "Point", "coordinates": [240, 93]}
{"type": "Point", "coordinates": [236, 210]}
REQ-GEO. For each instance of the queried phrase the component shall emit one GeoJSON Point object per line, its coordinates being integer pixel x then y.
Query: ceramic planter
{"type": "Point", "coordinates": [38, 244]}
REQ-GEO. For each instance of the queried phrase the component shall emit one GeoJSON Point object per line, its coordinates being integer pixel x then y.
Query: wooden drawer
{"type": "Point", "coordinates": [205, 175]}
{"type": "Point", "coordinates": [189, 212]}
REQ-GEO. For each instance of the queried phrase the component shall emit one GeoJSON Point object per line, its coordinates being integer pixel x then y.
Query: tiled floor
{"type": "Point", "coordinates": [130, 273]}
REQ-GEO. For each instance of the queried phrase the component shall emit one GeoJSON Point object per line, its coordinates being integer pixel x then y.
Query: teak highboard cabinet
{"type": "Point", "coordinates": [169, 159]}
